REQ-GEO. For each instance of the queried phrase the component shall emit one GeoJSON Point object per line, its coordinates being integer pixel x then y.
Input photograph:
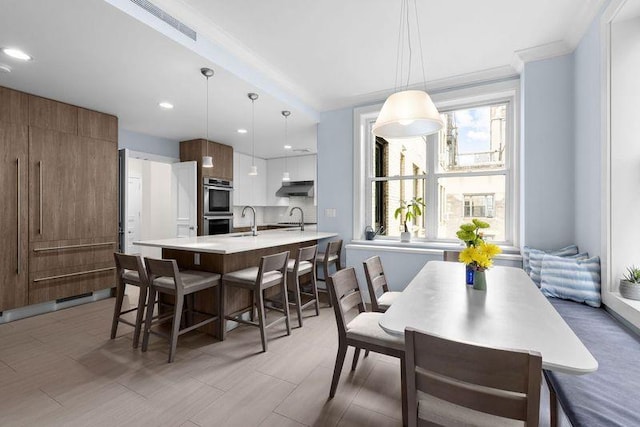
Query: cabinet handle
{"type": "Point", "coordinates": [80, 273]}
{"type": "Point", "coordinates": [87, 245]}
{"type": "Point", "coordinates": [18, 210]}
{"type": "Point", "coordinates": [40, 196]}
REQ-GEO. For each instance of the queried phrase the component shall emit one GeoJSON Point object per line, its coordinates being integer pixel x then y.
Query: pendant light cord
{"type": "Point", "coordinates": [253, 133]}
{"type": "Point", "coordinates": [408, 44]}
{"type": "Point", "coordinates": [286, 139]}
{"type": "Point", "coordinates": [424, 75]}
{"type": "Point", "coordinates": [400, 50]}
{"type": "Point", "coordinates": [207, 118]}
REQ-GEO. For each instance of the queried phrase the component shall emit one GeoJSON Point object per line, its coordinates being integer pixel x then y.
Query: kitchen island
{"type": "Point", "coordinates": [230, 252]}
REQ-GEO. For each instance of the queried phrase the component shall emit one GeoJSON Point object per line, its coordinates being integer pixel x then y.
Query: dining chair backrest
{"type": "Point", "coordinates": [376, 280]}
{"type": "Point", "coordinates": [451, 256]}
{"type": "Point", "coordinates": [275, 262]}
{"type": "Point", "coordinates": [334, 248]}
{"type": "Point", "coordinates": [306, 254]}
{"type": "Point", "coordinates": [130, 262]}
{"type": "Point", "coordinates": [345, 294]}
{"type": "Point", "coordinates": [157, 268]}
{"type": "Point", "coordinates": [500, 382]}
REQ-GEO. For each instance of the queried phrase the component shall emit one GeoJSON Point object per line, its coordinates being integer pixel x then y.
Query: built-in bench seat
{"type": "Point", "coordinates": [609, 396]}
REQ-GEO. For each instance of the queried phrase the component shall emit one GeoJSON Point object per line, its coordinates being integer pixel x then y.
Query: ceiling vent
{"type": "Point", "coordinates": [164, 16]}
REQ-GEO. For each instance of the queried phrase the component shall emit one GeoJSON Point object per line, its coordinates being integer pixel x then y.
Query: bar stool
{"type": "Point", "coordinates": [165, 278]}
{"type": "Point", "coordinates": [304, 263]}
{"type": "Point", "coordinates": [331, 256]}
{"type": "Point", "coordinates": [271, 272]}
{"type": "Point", "coordinates": [130, 271]}
{"type": "Point", "coordinates": [376, 280]}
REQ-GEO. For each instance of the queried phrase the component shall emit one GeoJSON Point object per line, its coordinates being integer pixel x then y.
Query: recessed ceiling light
{"type": "Point", "coordinates": [16, 53]}
{"type": "Point", "coordinates": [5, 68]}
{"type": "Point", "coordinates": [242, 131]}
{"type": "Point", "coordinates": [166, 105]}
{"type": "Point", "coordinates": [287, 147]}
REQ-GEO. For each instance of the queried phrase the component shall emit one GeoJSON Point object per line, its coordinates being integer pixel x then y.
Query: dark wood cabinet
{"type": "Point", "coordinates": [222, 157]}
{"type": "Point", "coordinates": [14, 143]}
{"type": "Point", "coordinates": [58, 183]}
{"type": "Point", "coordinates": [222, 154]}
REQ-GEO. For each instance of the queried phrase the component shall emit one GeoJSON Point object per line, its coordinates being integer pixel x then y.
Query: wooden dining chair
{"type": "Point", "coordinates": [451, 256]}
{"type": "Point", "coordinates": [381, 297]}
{"type": "Point", "coordinates": [363, 331]}
{"type": "Point", "coordinates": [330, 257]}
{"type": "Point", "coordinates": [456, 383]}
{"type": "Point", "coordinates": [272, 272]}
{"type": "Point", "coordinates": [165, 278]}
{"type": "Point", "coordinates": [302, 265]}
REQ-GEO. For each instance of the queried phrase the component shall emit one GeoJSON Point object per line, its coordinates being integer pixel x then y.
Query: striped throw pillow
{"type": "Point", "coordinates": [573, 279]}
{"type": "Point", "coordinates": [526, 250]}
{"type": "Point", "coordinates": [535, 263]}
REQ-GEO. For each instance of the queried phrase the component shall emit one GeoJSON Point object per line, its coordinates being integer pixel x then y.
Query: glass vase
{"type": "Point", "coordinates": [480, 281]}
{"type": "Point", "coordinates": [470, 270]}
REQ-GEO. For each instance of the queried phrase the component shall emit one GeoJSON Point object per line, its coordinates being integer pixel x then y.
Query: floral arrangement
{"type": "Point", "coordinates": [478, 254]}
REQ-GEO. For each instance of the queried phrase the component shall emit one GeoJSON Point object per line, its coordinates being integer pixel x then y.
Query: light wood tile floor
{"type": "Point", "coordinates": [61, 369]}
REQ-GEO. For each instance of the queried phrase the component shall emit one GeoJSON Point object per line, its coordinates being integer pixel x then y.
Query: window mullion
{"type": "Point", "coordinates": [432, 189]}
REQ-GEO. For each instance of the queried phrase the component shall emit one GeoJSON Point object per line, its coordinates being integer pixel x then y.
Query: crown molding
{"type": "Point", "coordinates": [460, 81]}
{"type": "Point", "coordinates": [537, 53]}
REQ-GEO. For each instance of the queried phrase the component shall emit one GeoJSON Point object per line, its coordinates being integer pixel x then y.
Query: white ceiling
{"type": "Point", "coordinates": [304, 55]}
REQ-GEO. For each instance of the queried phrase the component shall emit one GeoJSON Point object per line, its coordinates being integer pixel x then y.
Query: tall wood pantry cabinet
{"type": "Point", "coordinates": [68, 191]}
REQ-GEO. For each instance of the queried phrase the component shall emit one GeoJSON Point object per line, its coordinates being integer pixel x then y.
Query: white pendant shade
{"type": "Point", "coordinates": [286, 177]}
{"type": "Point", "coordinates": [207, 161]}
{"type": "Point", "coordinates": [408, 114]}
{"type": "Point", "coordinates": [253, 171]}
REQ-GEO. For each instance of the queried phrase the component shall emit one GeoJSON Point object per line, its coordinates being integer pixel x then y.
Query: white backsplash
{"type": "Point", "coordinates": [275, 214]}
{"type": "Point", "coordinates": [238, 221]}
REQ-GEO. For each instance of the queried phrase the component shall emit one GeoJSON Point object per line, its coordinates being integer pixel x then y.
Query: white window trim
{"type": "Point", "coordinates": [505, 90]}
{"type": "Point", "coordinates": [628, 310]}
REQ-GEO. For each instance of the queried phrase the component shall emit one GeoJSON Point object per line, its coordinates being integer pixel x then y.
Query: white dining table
{"type": "Point", "coordinates": [512, 313]}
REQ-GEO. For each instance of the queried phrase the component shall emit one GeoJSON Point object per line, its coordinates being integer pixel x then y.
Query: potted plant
{"type": "Point", "coordinates": [413, 210]}
{"type": "Point", "coordinates": [630, 283]}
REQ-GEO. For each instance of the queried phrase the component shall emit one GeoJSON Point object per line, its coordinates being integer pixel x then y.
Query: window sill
{"type": "Point", "coordinates": [627, 310]}
{"type": "Point", "coordinates": [510, 253]}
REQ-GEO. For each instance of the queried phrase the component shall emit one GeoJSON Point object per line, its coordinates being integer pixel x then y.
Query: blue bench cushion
{"type": "Point", "coordinates": [609, 396]}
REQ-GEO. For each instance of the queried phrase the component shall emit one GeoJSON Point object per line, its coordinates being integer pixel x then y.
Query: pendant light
{"type": "Point", "coordinates": [285, 174]}
{"type": "Point", "coordinates": [408, 113]}
{"type": "Point", "coordinates": [254, 169]}
{"type": "Point", "coordinates": [207, 161]}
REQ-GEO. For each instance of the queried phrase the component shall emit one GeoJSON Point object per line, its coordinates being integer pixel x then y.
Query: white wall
{"type": "Point", "coordinates": [148, 144]}
{"type": "Point", "coordinates": [335, 172]}
{"type": "Point", "coordinates": [588, 141]}
{"type": "Point", "coordinates": [547, 151]}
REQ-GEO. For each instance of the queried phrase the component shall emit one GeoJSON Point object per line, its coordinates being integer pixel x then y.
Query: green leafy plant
{"type": "Point", "coordinates": [413, 209]}
{"type": "Point", "coordinates": [632, 275]}
{"type": "Point", "coordinates": [471, 233]}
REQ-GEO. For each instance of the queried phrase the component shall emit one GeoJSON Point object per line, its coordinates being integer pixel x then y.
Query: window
{"type": "Point", "coordinates": [478, 205]}
{"type": "Point", "coordinates": [465, 171]}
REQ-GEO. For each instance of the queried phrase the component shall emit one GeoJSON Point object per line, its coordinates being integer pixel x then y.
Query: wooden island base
{"type": "Point", "coordinates": [236, 298]}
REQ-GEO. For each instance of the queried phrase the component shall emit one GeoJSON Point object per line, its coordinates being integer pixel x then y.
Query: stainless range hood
{"type": "Point", "coordinates": [296, 188]}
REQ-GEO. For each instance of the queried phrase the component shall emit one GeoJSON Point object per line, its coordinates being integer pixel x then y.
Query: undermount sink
{"type": "Point", "coordinates": [243, 235]}
{"type": "Point", "coordinates": [292, 229]}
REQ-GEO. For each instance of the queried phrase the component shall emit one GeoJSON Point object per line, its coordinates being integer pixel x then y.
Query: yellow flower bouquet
{"type": "Point", "coordinates": [480, 257]}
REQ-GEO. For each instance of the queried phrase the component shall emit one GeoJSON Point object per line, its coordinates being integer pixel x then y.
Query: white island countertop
{"type": "Point", "coordinates": [237, 242]}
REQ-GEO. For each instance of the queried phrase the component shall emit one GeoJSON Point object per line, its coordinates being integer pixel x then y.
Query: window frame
{"type": "Point", "coordinates": [506, 91]}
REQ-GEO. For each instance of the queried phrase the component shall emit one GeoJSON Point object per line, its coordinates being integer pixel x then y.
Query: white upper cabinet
{"type": "Point", "coordinates": [249, 190]}
{"type": "Point", "coordinates": [274, 182]}
{"type": "Point", "coordinates": [300, 168]}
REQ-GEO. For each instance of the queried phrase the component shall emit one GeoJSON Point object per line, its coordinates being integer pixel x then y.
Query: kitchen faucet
{"type": "Point", "coordinates": [254, 225]}
{"type": "Point", "coordinates": [301, 216]}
